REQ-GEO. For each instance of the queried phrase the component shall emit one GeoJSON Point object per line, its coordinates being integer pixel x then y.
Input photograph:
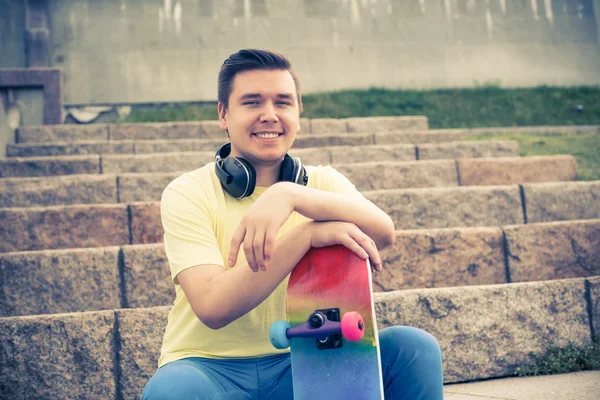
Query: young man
{"type": "Point", "coordinates": [235, 229]}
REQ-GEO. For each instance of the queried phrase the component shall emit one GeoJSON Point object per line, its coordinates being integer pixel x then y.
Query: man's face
{"type": "Point", "coordinates": [263, 116]}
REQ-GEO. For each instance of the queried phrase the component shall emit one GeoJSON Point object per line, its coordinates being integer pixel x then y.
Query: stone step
{"type": "Point", "coordinates": [489, 205]}
{"type": "Point", "coordinates": [75, 226]}
{"type": "Point", "coordinates": [583, 385]}
{"type": "Point", "coordinates": [177, 145]}
{"type": "Point", "coordinates": [375, 175]}
{"type": "Point", "coordinates": [133, 276]}
{"type": "Point", "coordinates": [484, 332]}
{"type": "Point", "coordinates": [61, 190]}
{"type": "Point", "coordinates": [206, 129]}
{"type": "Point", "coordinates": [50, 166]}
{"type": "Point", "coordinates": [187, 161]}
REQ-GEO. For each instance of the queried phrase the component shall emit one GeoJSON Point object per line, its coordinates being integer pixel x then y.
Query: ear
{"type": "Point", "coordinates": [222, 116]}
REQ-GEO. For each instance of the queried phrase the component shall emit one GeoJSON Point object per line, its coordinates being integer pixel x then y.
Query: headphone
{"type": "Point", "coordinates": [238, 176]}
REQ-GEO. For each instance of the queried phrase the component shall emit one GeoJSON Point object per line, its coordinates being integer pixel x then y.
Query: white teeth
{"type": "Point", "coordinates": [267, 135]}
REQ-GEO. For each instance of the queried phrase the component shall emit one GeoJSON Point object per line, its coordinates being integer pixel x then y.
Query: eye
{"type": "Point", "coordinates": [285, 103]}
{"type": "Point", "coordinates": [250, 103]}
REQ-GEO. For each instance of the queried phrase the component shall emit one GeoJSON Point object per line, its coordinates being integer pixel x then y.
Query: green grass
{"type": "Point", "coordinates": [585, 147]}
{"type": "Point", "coordinates": [461, 108]}
{"type": "Point", "coordinates": [560, 360]}
{"type": "Point", "coordinates": [187, 112]}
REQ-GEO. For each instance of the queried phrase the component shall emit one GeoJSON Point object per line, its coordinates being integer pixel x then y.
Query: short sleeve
{"type": "Point", "coordinates": [189, 234]}
{"type": "Point", "coordinates": [331, 180]}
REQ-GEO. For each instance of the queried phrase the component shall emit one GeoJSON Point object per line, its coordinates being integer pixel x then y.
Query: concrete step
{"type": "Point", "coordinates": [188, 161]}
{"type": "Point", "coordinates": [102, 225]}
{"type": "Point", "coordinates": [76, 280]}
{"type": "Point", "coordinates": [178, 145]}
{"type": "Point", "coordinates": [375, 175]}
{"type": "Point", "coordinates": [574, 386]}
{"type": "Point", "coordinates": [489, 205]}
{"type": "Point", "coordinates": [61, 190]}
{"type": "Point", "coordinates": [50, 166]}
{"type": "Point", "coordinates": [112, 354]}
{"type": "Point", "coordinates": [207, 129]}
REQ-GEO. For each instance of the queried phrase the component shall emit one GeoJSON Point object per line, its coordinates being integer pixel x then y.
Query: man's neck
{"type": "Point", "coordinates": [267, 175]}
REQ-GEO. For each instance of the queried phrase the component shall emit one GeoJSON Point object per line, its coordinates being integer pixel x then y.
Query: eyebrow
{"type": "Point", "coordinates": [250, 96]}
{"type": "Point", "coordinates": [285, 96]}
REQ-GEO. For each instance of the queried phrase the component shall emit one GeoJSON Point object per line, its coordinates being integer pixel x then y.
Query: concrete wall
{"type": "Point", "coordinates": [12, 34]}
{"type": "Point", "coordinates": [136, 51]}
{"type": "Point", "coordinates": [596, 7]}
{"type": "Point", "coordinates": [7, 134]}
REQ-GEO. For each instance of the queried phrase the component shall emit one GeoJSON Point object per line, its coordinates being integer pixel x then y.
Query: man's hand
{"type": "Point", "coordinates": [258, 228]}
{"type": "Point", "coordinates": [348, 235]}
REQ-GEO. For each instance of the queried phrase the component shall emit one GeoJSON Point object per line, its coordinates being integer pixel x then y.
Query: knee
{"type": "Point", "coordinates": [159, 389]}
{"type": "Point", "coordinates": [417, 342]}
{"type": "Point", "coordinates": [177, 381]}
{"type": "Point", "coordinates": [156, 390]}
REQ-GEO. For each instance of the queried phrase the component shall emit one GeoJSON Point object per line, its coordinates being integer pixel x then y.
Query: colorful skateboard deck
{"type": "Point", "coordinates": [331, 279]}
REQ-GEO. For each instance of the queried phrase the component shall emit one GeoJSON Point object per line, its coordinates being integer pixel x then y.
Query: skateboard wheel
{"type": "Point", "coordinates": [353, 326]}
{"type": "Point", "coordinates": [278, 334]}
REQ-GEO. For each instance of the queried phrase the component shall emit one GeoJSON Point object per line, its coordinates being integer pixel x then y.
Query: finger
{"type": "Point", "coordinates": [375, 256]}
{"type": "Point", "coordinates": [351, 244]}
{"type": "Point", "coordinates": [249, 250]}
{"type": "Point", "coordinates": [375, 267]}
{"type": "Point", "coordinates": [258, 247]}
{"type": "Point", "coordinates": [370, 247]}
{"type": "Point", "coordinates": [269, 243]}
{"type": "Point", "coordinates": [236, 241]}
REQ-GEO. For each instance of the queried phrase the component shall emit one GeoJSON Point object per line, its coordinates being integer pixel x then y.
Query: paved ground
{"type": "Point", "coordinates": [574, 386]}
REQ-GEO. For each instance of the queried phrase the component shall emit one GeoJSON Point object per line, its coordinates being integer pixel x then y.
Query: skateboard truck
{"type": "Point", "coordinates": [327, 322]}
{"type": "Point", "coordinates": [323, 325]}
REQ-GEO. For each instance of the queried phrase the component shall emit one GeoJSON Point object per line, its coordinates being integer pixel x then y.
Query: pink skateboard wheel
{"type": "Point", "coordinates": [353, 326]}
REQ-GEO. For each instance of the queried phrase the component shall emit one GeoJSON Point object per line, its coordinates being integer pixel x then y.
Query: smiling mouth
{"type": "Point", "coordinates": [269, 135]}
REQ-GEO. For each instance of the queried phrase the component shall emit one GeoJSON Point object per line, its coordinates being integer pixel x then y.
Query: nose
{"type": "Point", "coordinates": [269, 113]}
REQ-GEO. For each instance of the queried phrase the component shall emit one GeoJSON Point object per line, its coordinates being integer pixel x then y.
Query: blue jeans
{"type": "Point", "coordinates": [411, 363]}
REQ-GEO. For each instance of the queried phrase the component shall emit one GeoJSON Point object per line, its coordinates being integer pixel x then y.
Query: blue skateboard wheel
{"type": "Point", "coordinates": [278, 334]}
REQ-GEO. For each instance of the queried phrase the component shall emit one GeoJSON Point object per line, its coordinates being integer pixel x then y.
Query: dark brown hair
{"type": "Point", "coordinates": [253, 59]}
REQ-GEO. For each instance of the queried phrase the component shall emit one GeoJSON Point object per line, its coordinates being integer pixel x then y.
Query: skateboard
{"type": "Point", "coordinates": [331, 328]}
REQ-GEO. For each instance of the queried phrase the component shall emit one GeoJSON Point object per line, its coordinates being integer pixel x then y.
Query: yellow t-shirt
{"type": "Point", "coordinates": [199, 219]}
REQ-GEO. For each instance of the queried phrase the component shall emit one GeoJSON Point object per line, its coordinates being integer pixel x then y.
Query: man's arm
{"type": "Point", "coordinates": [259, 227]}
{"type": "Point", "coordinates": [219, 297]}
{"type": "Point", "coordinates": [320, 205]}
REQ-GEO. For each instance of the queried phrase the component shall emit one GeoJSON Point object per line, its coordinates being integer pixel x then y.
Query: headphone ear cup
{"type": "Point", "coordinates": [287, 173]}
{"type": "Point", "coordinates": [251, 176]}
{"type": "Point", "coordinates": [302, 176]}
{"type": "Point", "coordinates": [292, 170]}
{"type": "Point", "coordinates": [243, 177]}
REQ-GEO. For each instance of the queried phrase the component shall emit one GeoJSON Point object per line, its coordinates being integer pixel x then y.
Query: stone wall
{"type": "Point", "coordinates": [138, 51]}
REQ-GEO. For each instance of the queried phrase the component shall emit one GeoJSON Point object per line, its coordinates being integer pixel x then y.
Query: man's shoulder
{"type": "Point", "coordinates": [328, 178]}
{"type": "Point", "coordinates": [319, 170]}
{"type": "Point", "coordinates": [319, 174]}
{"type": "Point", "coordinates": [194, 183]}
